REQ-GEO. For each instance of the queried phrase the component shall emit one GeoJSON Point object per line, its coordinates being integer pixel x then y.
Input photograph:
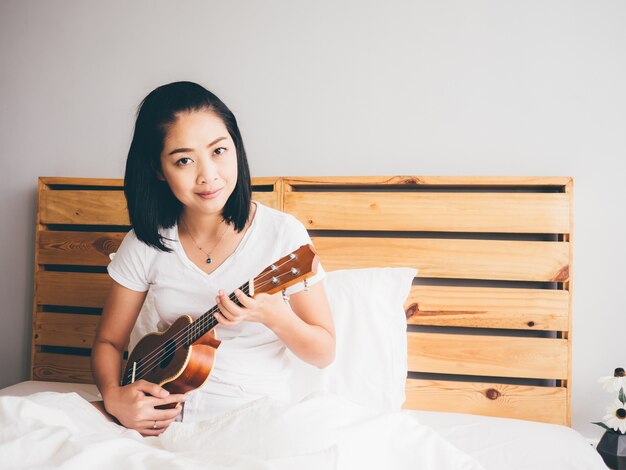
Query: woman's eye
{"type": "Point", "coordinates": [220, 150]}
{"type": "Point", "coordinates": [183, 161]}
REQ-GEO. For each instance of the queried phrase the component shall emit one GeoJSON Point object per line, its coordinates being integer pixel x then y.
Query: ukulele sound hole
{"type": "Point", "coordinates": [170, 349]}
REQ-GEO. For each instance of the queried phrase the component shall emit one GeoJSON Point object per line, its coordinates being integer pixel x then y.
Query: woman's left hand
{"type": "Point", "coordinates": [263, 308]}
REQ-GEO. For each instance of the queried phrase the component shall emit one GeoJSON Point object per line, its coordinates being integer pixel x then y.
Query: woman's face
{"type": "Point", "coordinates": [199, 161]}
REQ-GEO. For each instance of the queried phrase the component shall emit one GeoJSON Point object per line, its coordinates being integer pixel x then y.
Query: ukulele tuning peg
{"type": "Point", "coordinates": [306, 285]}
{"type": "Point", "coordinates": [285, 296]}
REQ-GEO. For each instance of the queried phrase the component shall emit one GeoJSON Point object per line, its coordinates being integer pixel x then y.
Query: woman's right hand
{"type": "Point", "coordinates": [134, 406]}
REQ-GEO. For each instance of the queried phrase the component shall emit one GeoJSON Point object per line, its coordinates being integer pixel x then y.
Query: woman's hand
{"type": "Point", "coordinates": [134, 406]}
{"type": "Point", "coordinates": [305, 324]}
{"type": "Point", "coordinates": [262, 308]}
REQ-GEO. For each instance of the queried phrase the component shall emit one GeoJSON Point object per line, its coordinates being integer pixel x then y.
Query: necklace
{"type": "Point", "coordinates": [209, 260]}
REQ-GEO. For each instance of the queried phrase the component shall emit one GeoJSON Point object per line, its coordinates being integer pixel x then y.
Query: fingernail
{"type": "Point", "coordinates": [164, 392]}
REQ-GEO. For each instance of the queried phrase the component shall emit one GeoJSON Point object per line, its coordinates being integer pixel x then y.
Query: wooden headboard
{"type": "Point", "coordinates": [489, 313]}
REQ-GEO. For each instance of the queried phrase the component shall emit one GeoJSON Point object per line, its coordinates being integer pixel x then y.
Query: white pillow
{"type": "Point", "coordinates": [370, 366]}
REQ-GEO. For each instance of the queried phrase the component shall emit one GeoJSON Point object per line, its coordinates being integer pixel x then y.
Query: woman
{"type": "Point", "coordinates": [196, 235]}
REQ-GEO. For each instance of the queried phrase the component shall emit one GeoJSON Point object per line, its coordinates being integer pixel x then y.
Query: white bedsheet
{"type": "Point", "coordinates": [496, 443]}
{"type": "Point", "coordinates": [63, 430]}
{"type": "Point", "coordinates": [513, 444]}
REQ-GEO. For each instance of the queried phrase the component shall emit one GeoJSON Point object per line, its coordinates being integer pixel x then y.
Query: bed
{"type": "Point", "coordinates": [466, 324]}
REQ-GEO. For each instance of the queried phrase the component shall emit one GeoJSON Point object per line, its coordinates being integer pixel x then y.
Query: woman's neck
{"type": "Point", "coordinates": [205, 227]}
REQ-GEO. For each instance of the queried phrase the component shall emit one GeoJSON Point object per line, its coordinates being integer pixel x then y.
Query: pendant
{"type": "Point", "coordinates": [209, 260]}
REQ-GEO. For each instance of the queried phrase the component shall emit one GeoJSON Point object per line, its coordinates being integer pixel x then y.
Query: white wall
{"type": "Point", "coordinates": [334, 88]}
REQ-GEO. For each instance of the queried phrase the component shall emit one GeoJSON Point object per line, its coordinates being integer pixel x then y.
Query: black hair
{"type": "Point", "coordinates": [151, 203]}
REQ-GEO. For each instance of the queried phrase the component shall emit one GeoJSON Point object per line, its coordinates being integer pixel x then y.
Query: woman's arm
{"type": "Point", "coordinates": [133, 405]}
{"type": "Point", "coordinates": [305, 324]}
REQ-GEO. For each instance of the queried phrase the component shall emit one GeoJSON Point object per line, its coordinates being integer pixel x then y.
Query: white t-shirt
{"type": "Point", "coordinates": [251, 361]}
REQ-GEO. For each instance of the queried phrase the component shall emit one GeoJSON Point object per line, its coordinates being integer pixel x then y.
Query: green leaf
{"type": "Point", "coordinates": [602, 425]}
{"type": "Point", "coordinates": [622, 397]}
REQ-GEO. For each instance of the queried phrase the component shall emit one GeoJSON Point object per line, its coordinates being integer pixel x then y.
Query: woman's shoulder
{"type": "Point", "coordinates": [279, 221]}
{"type": "Point", "coordinates": [283, 227]}
{"type": "Point", "coordinates": [132, 243]}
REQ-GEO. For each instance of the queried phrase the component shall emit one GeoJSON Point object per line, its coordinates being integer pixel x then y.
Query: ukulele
{"type": "Point", "coordinates": [180, 359]}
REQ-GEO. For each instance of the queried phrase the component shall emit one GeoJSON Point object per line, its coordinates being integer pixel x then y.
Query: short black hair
{"type": "Point", "coordinates": [151, 203]}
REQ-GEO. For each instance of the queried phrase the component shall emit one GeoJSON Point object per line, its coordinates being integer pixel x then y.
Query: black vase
{"type": "Point", "coordinates": [612, 448]}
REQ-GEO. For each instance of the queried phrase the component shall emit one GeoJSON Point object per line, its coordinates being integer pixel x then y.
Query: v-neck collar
{"type": "Point", "coordinates": [178, 247]}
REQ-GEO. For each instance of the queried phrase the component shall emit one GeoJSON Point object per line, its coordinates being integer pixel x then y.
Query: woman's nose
{"type": "Point", "coordinates": [207, 170]}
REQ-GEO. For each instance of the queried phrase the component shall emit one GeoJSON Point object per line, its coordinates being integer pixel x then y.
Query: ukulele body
{"type": "Point", "coordinates": [167, 358]}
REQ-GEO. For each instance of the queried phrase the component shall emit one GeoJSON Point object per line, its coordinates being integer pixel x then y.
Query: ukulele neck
{"type": "Point", "coordinates": [206, 322]}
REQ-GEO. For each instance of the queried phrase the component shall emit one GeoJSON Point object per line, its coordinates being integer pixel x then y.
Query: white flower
{"type": "Point", "coordinates": [616, 417]}
{"type": "Point", "coordinates": [614, 383]}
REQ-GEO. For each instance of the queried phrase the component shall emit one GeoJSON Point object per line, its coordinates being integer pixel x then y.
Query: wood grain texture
{"type": "Point", "coordinates": [62, 368]}
{"type": "Point", "coordinates": [75, 181]}
{"type": "Point", "coordinates": [119, 182]}
{"type": "Point", "coordinates": [568, 286]}
{"type": "Point", "coordinates": [78, 248]}
{"type": "Point", "coordinates": [416, 181]}
{"type": "Point", "coordinates": [72, 289]}
{"type": "Point", "coordinates": [492, 356]}
{"type": "Point", "coordinates": [476, 307]}
{"type": "Point", "coordinates": [269, 199]}
{"type": "Point", "coordinates": [449, 258]}
{"type": "Point", "coordinates": [87, 207]}
{"type": "Point", "coordinates": [41, 187]}
{"type": "Point", "coordinates": [65, 329]}
{"type": "Point", "coordinates": [84, 207]}
{"type": "Point", "coordinates": [546, 404]}
{"type": "Point", "coordinates": [431, 212]}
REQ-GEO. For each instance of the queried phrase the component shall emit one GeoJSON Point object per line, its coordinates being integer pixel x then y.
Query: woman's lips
{"type": "Point", "coordinates": [209, 194]}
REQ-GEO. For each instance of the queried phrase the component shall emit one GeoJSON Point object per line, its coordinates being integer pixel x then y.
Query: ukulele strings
{"type": "Point", "coordinates": [149, 360]}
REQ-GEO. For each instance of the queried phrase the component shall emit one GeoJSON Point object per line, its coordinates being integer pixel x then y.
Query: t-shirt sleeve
{"type": "Point", "coordinates": [128, 265]}
{"type": "Point", "coordinates": [296, 235]}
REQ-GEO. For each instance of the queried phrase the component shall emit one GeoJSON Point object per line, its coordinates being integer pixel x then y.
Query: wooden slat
{"type": "Point", "coordinates": [72, 289]}
{"type": "Point", "coordinates": [383, 181]}
{"type": "Point", "coordinates": [78, 248]}
{"type": "Point", "coordinates": [84, 207]}
{"type": "Point", "coordinates": [93, 248]}
{"type": "Point", "coordinates": [530, 309]}
{"type": "Point", "coordinates": [447, 258]}
{"type": "Point", "coordinates": [264, 180]}
{"type": "Point", "coordinates": [119, 182]}
{"type": "Point", "coordinates": [101, 207]}
{"type": "Point", "coordinates": [36, 269]}
{"type": "Point", "coordinates": [270, 199]}
{"type": "Point", "coordinates": [65, 329]}
{"type": "Point", "coordinates": [74, 181]}
{"type": "Point", "coordinates": [492, 356]}
{"type": "Point", "coordinates": [62, 368]}
{"type": "Point", "coordinates": [545, 404]}
{"type": "Point", "coordinates": [568, 285]}
{"type": "Point", "coordinates": [436, 211]}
